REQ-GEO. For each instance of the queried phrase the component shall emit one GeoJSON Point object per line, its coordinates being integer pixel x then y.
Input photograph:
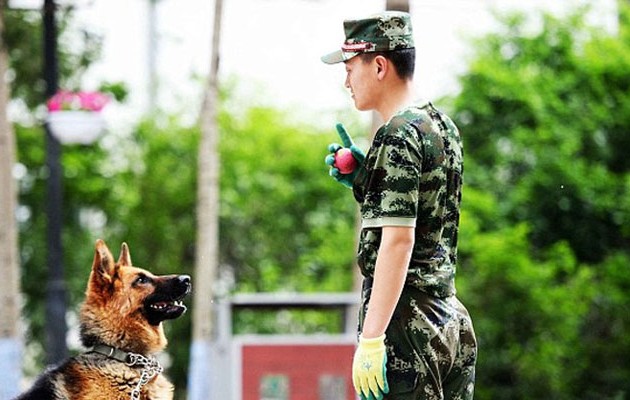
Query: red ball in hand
{"type": "Point", "coordinates": [345, 161]}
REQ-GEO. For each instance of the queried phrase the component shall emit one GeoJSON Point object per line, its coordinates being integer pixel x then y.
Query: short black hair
{"type": "Point", "coordinates": [404, 60]}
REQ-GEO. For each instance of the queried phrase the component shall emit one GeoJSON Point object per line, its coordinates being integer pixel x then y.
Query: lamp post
{"type": "Point", "coordinates": [56, 327]}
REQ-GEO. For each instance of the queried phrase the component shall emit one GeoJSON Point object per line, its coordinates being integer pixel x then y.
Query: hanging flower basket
{"type": "Point", "coordinates": [76, 127]}
{"type": "Point", "coordinates": [75, 117]}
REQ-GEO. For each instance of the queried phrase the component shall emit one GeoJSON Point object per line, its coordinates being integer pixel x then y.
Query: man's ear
{"type": "Point", "coordinates": [382, 67]}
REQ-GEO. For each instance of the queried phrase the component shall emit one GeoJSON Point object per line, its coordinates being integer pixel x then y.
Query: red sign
{"type": "Point", "coordinates": [297, 372]}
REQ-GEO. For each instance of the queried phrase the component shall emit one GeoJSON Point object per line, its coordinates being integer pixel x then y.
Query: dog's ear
{"type": "Point", "coordinates": [125, 258]}
{"type": "Point", "coordinates": [103, 267]}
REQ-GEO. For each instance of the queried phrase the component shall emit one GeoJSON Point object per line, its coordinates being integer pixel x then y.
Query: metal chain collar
{"type": "Point", "coordinates": [150, 365]}
{"type": "Point", "coordinates": [150, 369]}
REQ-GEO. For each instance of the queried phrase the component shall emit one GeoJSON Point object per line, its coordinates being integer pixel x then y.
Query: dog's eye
{"type": "Point", "coordinates": [142, 280]}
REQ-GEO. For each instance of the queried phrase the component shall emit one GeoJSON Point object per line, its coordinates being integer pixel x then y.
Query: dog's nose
{"type": "Point", "coordinates": [185, 279]}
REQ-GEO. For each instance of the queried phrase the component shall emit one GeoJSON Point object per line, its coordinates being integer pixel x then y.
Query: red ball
{"type": "Point", "coordinates": [345, 161]}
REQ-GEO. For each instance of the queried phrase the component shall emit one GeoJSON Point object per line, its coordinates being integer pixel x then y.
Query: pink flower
{"type": "Point", "coordinates": [93, 101]}
{"type": "Point", "coordinates": [65, 100]}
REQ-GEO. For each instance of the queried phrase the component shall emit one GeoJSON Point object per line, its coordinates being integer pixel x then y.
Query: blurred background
{"type": "Point", "coordinates": [540, 91]}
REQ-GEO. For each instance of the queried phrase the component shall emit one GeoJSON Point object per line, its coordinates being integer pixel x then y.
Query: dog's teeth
{"type": "Point", "coordinates": [163, 305]}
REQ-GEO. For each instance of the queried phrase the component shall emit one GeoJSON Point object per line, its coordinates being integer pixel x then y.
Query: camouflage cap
{"type": "Point", "coordinates": [390, 30]}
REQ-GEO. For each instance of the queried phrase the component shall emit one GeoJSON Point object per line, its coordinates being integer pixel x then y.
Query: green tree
{"type": "Point", "coordinates": [285, 225]}
{"type": "Point", "coordinates": [545, 120]}
{"type": "Point", "coordinates": [528, 309]}
{"type": "Point", "coordinates": [23, 35]}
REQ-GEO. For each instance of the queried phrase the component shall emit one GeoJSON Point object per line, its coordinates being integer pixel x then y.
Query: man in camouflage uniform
{"type": "Point", "coordinates": [416, 339]}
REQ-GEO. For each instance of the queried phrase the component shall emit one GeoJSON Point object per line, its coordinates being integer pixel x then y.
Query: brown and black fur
{"type": "Point", "coordinates": [124, 308]}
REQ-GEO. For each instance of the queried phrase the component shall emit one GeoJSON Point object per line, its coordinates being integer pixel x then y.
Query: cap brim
{"type": "Point", "coordinates": [337, 57]}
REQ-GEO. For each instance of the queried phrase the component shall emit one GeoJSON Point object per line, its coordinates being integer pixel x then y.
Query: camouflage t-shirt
{"type": "Point", "coordinates": [412, 176]}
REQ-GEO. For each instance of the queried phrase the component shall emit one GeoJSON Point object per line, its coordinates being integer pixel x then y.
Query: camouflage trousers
{"type": "Point", "coordinates": [431, 347]}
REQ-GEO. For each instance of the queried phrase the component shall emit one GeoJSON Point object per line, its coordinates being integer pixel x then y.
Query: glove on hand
{"type": "Point", "coordinates": [369, 368]}
{"type": "Point", "coordinates": [359, 156]}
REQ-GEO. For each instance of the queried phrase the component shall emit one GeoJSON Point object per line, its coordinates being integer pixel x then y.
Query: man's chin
{"type": "Point", "coordinates": [359, 106]}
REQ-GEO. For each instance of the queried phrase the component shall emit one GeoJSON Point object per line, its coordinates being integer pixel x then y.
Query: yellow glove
{"type": "Point", "coordinates": [369, 367]}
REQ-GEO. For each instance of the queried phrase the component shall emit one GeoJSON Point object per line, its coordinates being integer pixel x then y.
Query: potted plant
{"type": "Point", "coordinates": [75, 117]}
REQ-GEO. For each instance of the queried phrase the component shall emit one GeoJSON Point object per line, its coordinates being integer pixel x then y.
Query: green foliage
{"type": "Point", "coordinates": [285, 224]}
{"type": "Point", "coordinates": [118, 90]}
{"type": "Point", "coordinates": [262, 321]}
{"type": "Point", "coordinates": [526, 350]}
{"type": "Point", "coordinates": [606, 344]}
{"type": "Point", "coordinates": [24, 40]}
{"type": "Point", "coordinates": [536, 112]}
{"type": "Point", "coordinates": [545, 120]}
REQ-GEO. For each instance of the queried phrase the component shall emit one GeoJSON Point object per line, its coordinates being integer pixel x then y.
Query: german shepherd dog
{"type": "Point", "coordinates": [121, 324]}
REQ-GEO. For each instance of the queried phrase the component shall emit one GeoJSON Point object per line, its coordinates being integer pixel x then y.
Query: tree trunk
{"type": "Point", "coordinates": [207, 249]}
{"type": "Point", "coordinates": [10, 341]}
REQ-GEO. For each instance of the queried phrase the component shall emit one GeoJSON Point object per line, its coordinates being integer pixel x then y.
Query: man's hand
{"type": "Point", "coordinates": [359, 156]}
{"type": "Point", "coordinates": [369, 368]}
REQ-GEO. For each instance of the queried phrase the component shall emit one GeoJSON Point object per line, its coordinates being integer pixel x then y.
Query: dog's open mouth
{"type": "Point", "coordinates": [158, 309]}
{"type": "Point", "coordinates": [167, 300]}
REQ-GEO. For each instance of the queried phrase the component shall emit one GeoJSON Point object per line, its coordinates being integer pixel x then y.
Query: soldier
{"type": "Point", "coordinates": [416, 340]}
